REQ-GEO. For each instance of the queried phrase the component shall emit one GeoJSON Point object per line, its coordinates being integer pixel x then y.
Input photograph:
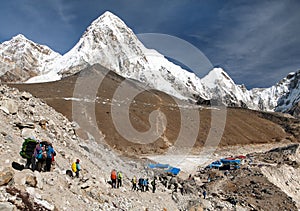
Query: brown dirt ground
{"type": "Point", "coordinates": [242, 126]}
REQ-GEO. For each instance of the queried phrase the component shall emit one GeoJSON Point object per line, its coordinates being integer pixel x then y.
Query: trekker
{"type": "Point", "coordinates": [153, 183]}
{"type": "Point", "coordinates": [146, 184]}
{"type": "Point", "coordinates": [50, 152]}
{"type": "Point", "coordinates": [113, 177]}
{"type": "Point", "coordinates": [133, 181]}
{"type": "Point", "coordinates": [204, 194]}
{"type": "Point", "coordinates": [27, 151]}
{"type": "Point", "coordinates": [76, 168]}
{"type": "Point", "coordinates": [53, 154]}
{"type": "Point", "coordinates": [34, 156]}
{"type": "Point", "coordinates": [38, 154]}
{"type": "Point", "coordinates": [141, 184]}
{"type": "Point", "coordinates": [120, 176]}
{"type": "Point", "coordinates": [30, 161]}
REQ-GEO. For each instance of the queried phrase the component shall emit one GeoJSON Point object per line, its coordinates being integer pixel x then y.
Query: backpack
{"type": "Point", "coordinates": [28, 147]}
{"type": "Point", "coordinates": [74, 169]}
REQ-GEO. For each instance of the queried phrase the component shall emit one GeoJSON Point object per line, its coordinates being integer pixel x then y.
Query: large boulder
{"type": "Point", "coordinates": [7, 206]}
{"type": "Point", "coordinates": [29, 178]}
{"type": "Point", "coordinates": [9, 106]}
{"type": "Point", "coordinates": [6, 175]}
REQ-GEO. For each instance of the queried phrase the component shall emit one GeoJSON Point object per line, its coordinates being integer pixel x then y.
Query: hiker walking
{"type": "Point", "coordinates": [141, 184]}
{"type": "Point", "coordinates": [38, 154]}
{"type": "Point", "coordinates": [133, 181]}
{"type": "Point", "coordinates": [204, 194]}
{"type": "Point", "coordinates": [53, 154]}
{"type": "Point", "coordinates": [146, 184]}
{"type": "Point", "coordinates": [27, 152]}
{"type": "Point", "coordinates": [50, 154]}
{"type": "Point", "coordinates": [120, 176]}
{"type": "Point", "coordinates": [153, 183]}
{"type": "Point", "coordinates": [76, 168]}
{"type": "Point", "coordinates": [113, 177]}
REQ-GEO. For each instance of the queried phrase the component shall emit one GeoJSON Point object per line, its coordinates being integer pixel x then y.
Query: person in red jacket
{"type": "Point", "coordinates": [113, 178]}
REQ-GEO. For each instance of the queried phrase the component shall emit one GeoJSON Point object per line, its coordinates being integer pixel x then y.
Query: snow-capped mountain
{"type": "Point", "coordinates": [221, 87]}
{"type": "Point", "coordinates": [21, 59]}
{"type": "Point", "coordinates": [281, 97]}
{"type": "Point", "coordinates": [290, 97]}
{"type": "Point", "coordinates": [109, 42]}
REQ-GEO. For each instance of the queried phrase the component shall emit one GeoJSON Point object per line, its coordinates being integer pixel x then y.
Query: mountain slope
{"type": "Point", "coordinates": [242, 126]}
{"type": "Point", "coordinates": [21, 59]}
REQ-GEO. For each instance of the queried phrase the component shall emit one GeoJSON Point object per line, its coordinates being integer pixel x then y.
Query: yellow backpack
{"type": "Point", "coordinates": [74, 169]}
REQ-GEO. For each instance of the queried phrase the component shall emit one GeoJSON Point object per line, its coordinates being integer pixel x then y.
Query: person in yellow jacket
{"type": "Point", "coordinates": [76, 167]}
{"type": "Point", "coordinates": [119, 181]}
{"type": "Point", "coordinates": [133, 181]}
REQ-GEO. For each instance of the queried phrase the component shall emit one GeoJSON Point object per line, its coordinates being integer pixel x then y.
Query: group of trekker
{"type": "Point", "coordinates": [143, 184]}
{"type": "Point", "coordinates": [116, 178]}
{"type": "Point", "coordinates": [41, 157]}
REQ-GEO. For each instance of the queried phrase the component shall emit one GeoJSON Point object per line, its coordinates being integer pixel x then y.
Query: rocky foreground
{"type": "Point", "coordinates": [269, 182]}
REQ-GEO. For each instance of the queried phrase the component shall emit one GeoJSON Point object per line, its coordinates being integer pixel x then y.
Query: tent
{"type": "Point", "coordinates": [173, 170]}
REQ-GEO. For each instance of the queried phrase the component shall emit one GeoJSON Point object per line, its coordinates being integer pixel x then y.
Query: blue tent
{"type": "Point", "coordinates": [227, 161]}
{"type": "Point", "coordinates": [173, 170]}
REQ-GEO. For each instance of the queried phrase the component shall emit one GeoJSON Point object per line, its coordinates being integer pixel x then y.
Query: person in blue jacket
{"type": "Point", "coordinates": [78, 168]}
{"type": "Point", "coordinates": [50, 152]}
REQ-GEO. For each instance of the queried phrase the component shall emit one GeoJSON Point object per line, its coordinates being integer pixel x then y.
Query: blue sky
{"type": "Point", "coordinates": [256, 42]}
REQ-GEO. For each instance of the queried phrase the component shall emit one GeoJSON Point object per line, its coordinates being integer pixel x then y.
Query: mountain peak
{"type": "Point", "coordinates": [109, 15]}
{"type": "Point", "coordinates": [219, 73]}
{"type": "Point", "coordinates": [107, 18]}
{"type": "Point", "coordinates": [19, 37]}
{"type": "Point", "coordinates": [216, 74]}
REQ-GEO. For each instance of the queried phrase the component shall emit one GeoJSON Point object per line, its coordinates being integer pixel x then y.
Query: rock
{"type": "Point", "coordinates": [84, 147]}
{"type": "Point", "coordinates": [43, 123]}
{"type": "Point", "coordinates": [3, 133]}
{"type": "Point", "coordinates": [26, 96]}
{"type": "Point", "coordinates": [20, 177]}
{"type": "Point", "coordinates": [6, 176]}
{"type": "Point", "coordinates": [31, 180]}
{"type": "Point", "coordinates": [6, 206]}
{"type": "Point", "coordinates": [29, 125]}
{"type": "Point", "coordinates": [9, 105]}
{"type": "Point", "coordinates": [50, 182]}
{"type": "Point", "coordinates": [44, 203]}
{"type": "Point", "coordinates": [4, 109]}
{"type": "Point", "coordinates": [74, 125]}
{"type": "Point", "coordinates": [26, 132]}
